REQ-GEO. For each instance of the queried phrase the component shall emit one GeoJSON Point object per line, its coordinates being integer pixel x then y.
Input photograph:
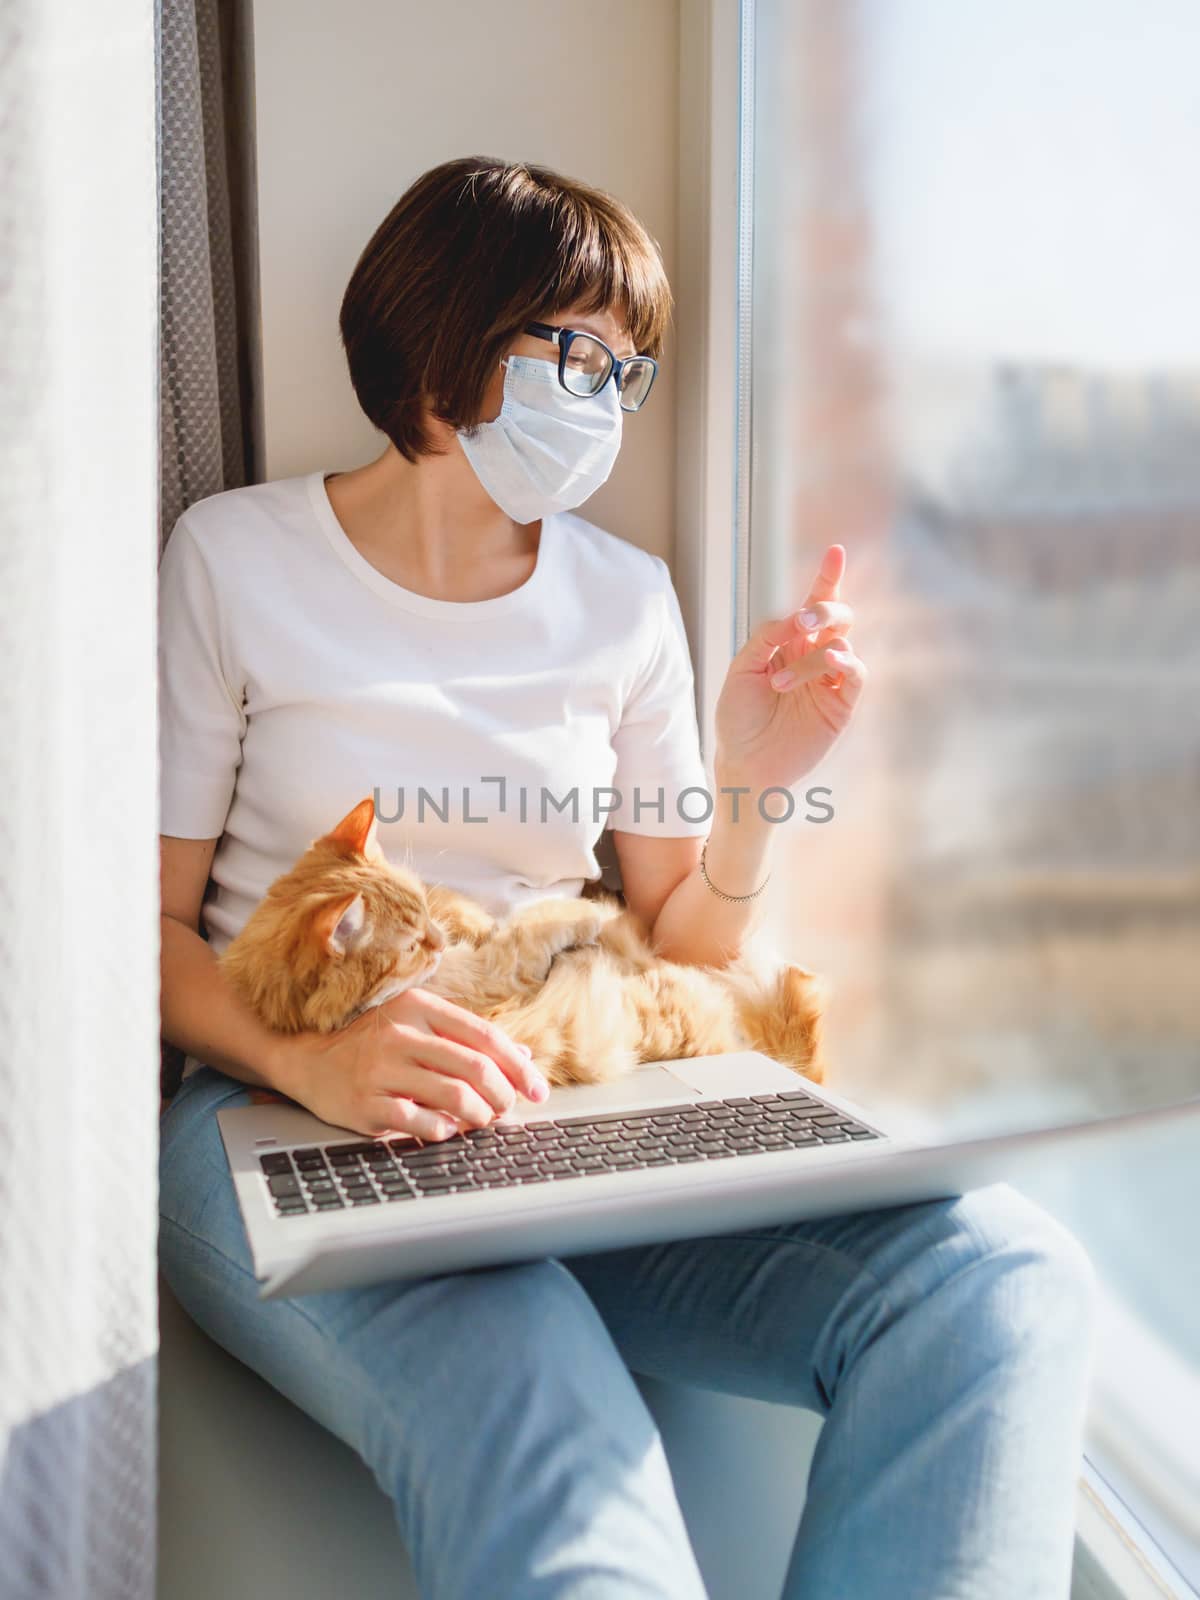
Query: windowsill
{"type": "Point", "coordinates": [1116, 1557]}
{"type": "Point", "coordinates": [1142, 1429]}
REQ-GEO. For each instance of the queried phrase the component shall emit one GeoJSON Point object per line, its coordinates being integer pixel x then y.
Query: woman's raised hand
{"type": "Point", "coordinates": [792, 688]}
{"type": "Point", "coordinates": [418, 1064]}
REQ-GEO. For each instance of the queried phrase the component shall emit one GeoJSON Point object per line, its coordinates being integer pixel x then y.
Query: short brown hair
{"type": "Point", "coordinates": [469, 254]}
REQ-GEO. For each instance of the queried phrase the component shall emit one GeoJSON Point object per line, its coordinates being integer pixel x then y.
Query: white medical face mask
{"type": "Point", "coordinates": [547, 450]}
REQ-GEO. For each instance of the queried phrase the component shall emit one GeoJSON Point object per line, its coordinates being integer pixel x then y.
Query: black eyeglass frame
{"type": "Point", "coordinates": [564, 337]}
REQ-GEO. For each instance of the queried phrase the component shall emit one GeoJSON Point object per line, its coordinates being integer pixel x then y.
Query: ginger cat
{"type": "Point", "coordinates": [575, 980]}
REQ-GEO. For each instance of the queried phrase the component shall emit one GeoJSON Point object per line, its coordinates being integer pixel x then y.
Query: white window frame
{"type": "Point", "coordinates": [1116, 1556]}
{"type": "Point", "coordinates": [706, 312]}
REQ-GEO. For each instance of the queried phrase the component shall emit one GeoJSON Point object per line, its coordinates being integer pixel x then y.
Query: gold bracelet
{"type": "Point", "coordinates": [704, 874]}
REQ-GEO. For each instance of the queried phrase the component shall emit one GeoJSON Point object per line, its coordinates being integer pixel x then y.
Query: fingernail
{"type": "Point", "coordinates": [783, 680]}
{"type": "Point", "coordinates": [525, 1050]}
{"type": "Point", "coordinates": [443, 1129]}
{"type": "Point", "coordinates": [842, 657]}
{"type": "Point", "coordinates": [808, 619]}
{"type": "Point", "coordinates": [539, 1089]}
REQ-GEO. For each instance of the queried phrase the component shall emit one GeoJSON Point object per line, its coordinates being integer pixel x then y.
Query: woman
{"type": "Point", "coordinates": [439, 619]}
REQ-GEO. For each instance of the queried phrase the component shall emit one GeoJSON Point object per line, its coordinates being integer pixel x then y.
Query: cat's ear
{"type": "Point", "coordinates": [357, 828]}
{"type": "Point", "coordinates": [341, 924]}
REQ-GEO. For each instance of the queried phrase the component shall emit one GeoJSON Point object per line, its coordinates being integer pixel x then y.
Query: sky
{"type": "Point", "coordinates": [1033, 176]}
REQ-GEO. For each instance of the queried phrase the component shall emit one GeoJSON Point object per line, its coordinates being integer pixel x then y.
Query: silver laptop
{"type": "Point", "coordinates": [675, 1150]}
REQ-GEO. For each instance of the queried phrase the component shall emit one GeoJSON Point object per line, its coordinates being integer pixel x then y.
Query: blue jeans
{"type": "Point", "coordinates": [946, 1344]}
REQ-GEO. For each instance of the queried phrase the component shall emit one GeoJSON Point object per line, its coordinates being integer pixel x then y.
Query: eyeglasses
{"type": "Point", "coordinates": [585, 365]}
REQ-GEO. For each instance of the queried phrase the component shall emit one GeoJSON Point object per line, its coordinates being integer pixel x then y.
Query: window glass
{"type": "Point", "coordinates": [975, 362]}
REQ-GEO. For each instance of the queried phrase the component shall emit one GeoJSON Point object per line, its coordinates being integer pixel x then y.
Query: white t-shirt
{"type": "Point", "coordinates": [295, 679]}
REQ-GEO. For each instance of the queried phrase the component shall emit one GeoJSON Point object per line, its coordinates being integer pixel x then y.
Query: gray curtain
{"type": "Point", "coordinates": [208, 310]}
{"type": "Point", "coordinates": [209, 411]}
{"type": "Point", "coordinates": [78, 854]}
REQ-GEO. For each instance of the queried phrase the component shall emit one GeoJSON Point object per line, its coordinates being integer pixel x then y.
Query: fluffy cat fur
{"type": "Point", "coordinates": [575, 980]}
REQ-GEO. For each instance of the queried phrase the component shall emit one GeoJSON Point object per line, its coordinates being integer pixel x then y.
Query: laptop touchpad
{"type": "Point", "coordinates": [648, 1085]}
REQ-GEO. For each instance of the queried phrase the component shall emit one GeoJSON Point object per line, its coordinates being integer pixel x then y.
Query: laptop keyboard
{"type": "Point", "coordinates": [332, 1177]}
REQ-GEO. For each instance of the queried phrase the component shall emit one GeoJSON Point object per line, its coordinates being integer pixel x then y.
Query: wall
{"type": "Point", "coordinates": [355, 101]}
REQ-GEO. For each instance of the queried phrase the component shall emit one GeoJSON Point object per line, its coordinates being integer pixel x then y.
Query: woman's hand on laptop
{"type": "Point", "coordinates": [417, 1064]}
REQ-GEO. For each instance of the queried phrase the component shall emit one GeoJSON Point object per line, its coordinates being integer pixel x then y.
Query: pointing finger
{"type": "Point", "coordinates": [829, 575]}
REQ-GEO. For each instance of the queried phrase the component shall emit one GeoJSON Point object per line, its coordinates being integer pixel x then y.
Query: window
{"type": "Point", "coordinates": [973, 357]}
